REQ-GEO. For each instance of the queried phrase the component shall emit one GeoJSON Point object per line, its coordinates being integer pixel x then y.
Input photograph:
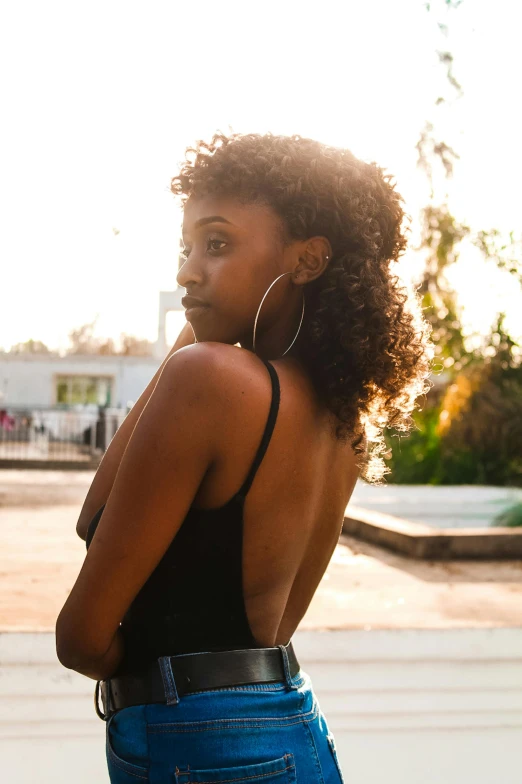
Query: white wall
{"type": "Point", "coordinates": [430, 706]}
{"type": "Point", "coordinates": [29, 380]}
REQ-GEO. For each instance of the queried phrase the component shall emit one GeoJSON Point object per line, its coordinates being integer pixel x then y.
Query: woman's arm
{"type": "Point", "coordinates": [153, 490]}
{"type": "Point", "coordinates": [101, 486]}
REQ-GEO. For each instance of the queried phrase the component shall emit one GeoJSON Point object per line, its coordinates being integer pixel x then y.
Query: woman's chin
{"type": "Point", "coordinates": [195, 313]}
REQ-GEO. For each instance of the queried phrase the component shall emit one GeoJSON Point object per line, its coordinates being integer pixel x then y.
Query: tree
{"type": "Point", "coordinates": [136, 347]}
{"type": "Point", "coordinates": [469, 432]}
{"type": "Point", "coordinates": [480, 426]}
{"type": "Point", "coordinates": [30, 347]}
{"type": "Point", "coordinates": [441, 233]}
{"type": "Point", "coordinates": [505, 253]}
{"type": "Point", "coordinates": [83, 341]}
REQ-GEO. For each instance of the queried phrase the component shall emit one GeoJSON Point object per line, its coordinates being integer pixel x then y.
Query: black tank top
{"type": "Point", "coordinates": [193, 600]}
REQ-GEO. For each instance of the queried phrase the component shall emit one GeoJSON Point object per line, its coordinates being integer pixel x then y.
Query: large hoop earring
{"type": "Point", "coordinates": [259, 308]}
{"type": "Point", "coordinates": [257, 316]}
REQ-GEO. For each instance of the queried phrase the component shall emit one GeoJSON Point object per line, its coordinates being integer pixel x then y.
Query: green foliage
{"type": "Point", "coordinates": [441, 235]}
{"type": "Point", "coordinates": [414, 459]}
{"type": "Point", "coordinates": [473, 433]}
{"type": "Point", "coordinates": [506, 254]}
{"type": "Point", "coordinates": [470, 431]}
{"type": "Point", "coordinates": [512, 517]}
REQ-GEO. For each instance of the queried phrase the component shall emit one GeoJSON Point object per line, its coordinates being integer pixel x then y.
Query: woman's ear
{"type": "Point", "coordinates": [314, 258]}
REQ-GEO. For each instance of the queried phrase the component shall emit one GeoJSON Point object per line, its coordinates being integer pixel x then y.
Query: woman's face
{"type": "Point", "coordinates": [234, 252]}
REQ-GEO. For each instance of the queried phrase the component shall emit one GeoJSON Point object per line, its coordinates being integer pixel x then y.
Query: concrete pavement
{"type": "Point", "coordinates": [365, 586]}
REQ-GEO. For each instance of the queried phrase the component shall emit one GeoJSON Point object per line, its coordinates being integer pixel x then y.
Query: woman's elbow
{"type": "Point", "coordinates": [73, 652]}
{"type": "Point", "coordinates": [66, 649]}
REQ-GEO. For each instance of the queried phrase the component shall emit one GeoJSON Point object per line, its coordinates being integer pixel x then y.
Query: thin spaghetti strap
{"type": "Point", "coordinates": [269, 428]}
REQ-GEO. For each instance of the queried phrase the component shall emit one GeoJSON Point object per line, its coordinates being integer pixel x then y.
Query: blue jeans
{"type": "Point", "coordinates": [259, 733]}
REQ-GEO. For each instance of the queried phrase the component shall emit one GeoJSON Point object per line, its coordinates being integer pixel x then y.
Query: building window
{"type": "Point", "coordinates": [74, 390]}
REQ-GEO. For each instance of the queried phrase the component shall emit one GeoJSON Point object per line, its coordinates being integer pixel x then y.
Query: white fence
{"type": "Point", "coordinates": [430, 706]}
{"type": "Point", "coordinates": [75, 434]}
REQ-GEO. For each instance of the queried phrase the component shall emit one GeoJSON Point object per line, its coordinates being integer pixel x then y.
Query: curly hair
{"type": "Point", "coordinates": [368, 348]}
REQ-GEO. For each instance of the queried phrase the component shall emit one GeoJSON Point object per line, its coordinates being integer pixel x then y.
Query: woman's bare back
{"type": "Point", "coordinates": [294, 510]}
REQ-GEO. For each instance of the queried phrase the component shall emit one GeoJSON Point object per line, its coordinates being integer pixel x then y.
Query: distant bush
{"type": "Point", "coordinates": [511, 517]}
{"type": "Point", "coordinates": [480, 427]}
{"type": "Point", "coordinates": [473, 435]}
{"type": "Point", "coordinates": [414, 459]}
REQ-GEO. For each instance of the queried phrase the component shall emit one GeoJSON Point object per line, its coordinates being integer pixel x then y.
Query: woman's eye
{"type": "Point", "coordinates": [212, 243]}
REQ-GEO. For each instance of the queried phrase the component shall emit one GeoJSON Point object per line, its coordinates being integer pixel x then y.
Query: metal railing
{"type": "Point", "coordinates": [59, 433]}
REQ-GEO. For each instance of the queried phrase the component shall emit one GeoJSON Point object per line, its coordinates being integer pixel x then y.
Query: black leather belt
{"type": "Point", "coordinates": [195, 672]}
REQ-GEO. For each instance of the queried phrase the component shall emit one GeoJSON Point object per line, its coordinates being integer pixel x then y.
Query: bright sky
{"type": "Point", "coordinates": [100, 99]}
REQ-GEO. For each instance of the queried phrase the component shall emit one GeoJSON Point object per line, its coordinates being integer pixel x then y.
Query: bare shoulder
{"type": "Point", "coordinates": [217, 367]}
{"type": "Point", "coordinates": [226, 387]}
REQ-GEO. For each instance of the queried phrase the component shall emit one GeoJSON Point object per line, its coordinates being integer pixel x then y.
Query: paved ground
{"type": "Point", "coordinates": [364, 586]}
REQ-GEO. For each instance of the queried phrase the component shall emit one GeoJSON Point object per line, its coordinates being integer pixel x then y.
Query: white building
{"type": "Point", "coordinates": [83, 379]}
{"type": "Point", "coordinates": [50, 380]}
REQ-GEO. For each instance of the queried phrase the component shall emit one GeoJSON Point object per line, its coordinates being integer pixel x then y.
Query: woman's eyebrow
{"type": "Point", "coordinates": [211, 219]}
{"type": "Point", "coordinates": [204, 221]}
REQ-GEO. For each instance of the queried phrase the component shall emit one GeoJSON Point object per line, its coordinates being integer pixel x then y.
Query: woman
{"type": "Point", "coordinates": [288, 245]}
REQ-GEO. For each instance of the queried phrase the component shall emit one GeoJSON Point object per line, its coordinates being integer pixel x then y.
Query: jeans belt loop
{"type": "Point", "coordinates": [286, 667]}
